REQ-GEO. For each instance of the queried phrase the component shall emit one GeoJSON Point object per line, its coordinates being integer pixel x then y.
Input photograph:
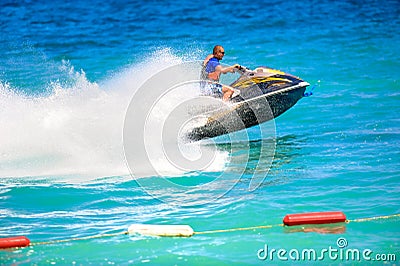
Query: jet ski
{"type": "Point", "coordinates": [259, 95]}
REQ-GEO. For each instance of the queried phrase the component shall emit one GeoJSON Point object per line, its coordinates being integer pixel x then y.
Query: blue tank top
{"type": "Point", "coordinates": [212, 64]}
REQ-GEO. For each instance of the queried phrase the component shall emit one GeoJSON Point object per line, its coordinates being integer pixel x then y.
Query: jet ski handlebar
{"type": "Point", "coordinates": [240, 68]}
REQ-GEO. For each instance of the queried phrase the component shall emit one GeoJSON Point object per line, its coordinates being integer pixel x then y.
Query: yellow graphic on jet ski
{"type": "Point", "coordinates": [257, 80]}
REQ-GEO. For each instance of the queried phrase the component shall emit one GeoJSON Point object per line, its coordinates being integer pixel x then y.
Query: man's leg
{"type": "Point", "coordinates": [227, 93]}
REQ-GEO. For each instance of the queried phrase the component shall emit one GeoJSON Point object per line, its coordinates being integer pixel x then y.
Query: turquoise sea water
{"type": "Point", "coordinates": [68, 71]}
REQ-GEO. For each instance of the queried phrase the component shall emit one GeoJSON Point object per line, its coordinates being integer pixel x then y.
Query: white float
{"type": "Point", "coordinates": [161, 230]}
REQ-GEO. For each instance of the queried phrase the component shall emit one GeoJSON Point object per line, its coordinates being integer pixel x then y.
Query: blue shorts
{"type": "Point", "coordinates": [216, 88]}
{"type": "Point", "coordinates": [210, 88]}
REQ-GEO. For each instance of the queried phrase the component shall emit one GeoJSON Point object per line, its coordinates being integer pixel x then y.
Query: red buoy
{"type": "Point", "coordinates": [14, 242]}
{"type": "Point", "coordinates": [314, 218]}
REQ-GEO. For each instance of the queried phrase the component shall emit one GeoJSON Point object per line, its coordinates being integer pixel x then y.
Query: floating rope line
{"type": "Point", "coordinates": [237, 229]}
{"type": "Point", "coordinates": [78, 239]}
{"type": "Point", "coordinates": [276, 225]}
{"type": "Point", "coordinates": [373, 218]}
{"type": "Point", "coordinates": [167, 230]}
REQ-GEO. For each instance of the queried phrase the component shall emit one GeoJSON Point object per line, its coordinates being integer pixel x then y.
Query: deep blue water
{"type": "Point", "coordinates": [69, 69]}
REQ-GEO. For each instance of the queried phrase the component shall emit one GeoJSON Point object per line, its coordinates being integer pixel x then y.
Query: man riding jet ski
{"type": "Point", "coordinates": [255, 97]}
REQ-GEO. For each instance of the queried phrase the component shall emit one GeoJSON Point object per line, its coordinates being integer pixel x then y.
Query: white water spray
{"type": "Point", "coordinates": [76, 130]}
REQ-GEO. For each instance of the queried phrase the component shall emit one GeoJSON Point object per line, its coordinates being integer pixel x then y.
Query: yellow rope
{"type": "Point", "coordinates": [374, 218]}
{"type": "Point", "coordinates": [270, 226]}
{"type": "Point", "coordinates": [202, 232]}
{"type": "Point", "coordinates": [78, 238]}
{"type": "Point", "coordinates": [237, 229]}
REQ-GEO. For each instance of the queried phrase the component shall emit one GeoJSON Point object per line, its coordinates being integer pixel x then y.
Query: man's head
{"type": "Point", "coordinates": [218, 52]}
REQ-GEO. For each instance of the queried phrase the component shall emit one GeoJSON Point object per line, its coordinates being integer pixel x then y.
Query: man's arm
{"type": "Point", "coordinates": [225, 70]}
